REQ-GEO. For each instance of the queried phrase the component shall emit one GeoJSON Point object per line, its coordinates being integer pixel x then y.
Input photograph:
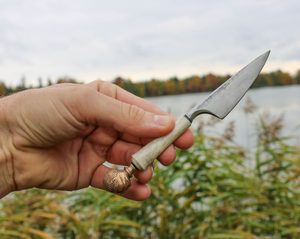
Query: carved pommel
{"type": "Point", "coordinates": [118, 181]}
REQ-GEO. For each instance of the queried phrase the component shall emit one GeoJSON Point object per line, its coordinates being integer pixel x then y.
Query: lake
{"type": "Point", "coordinates": [283, 100]}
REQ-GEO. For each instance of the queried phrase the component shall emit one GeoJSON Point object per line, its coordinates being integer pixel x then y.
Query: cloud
{"type": "Point", "coordinates": [141, 39]}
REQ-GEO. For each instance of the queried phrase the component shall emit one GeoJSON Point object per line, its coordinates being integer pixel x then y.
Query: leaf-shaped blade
{"type": "Point", "coordinates": [222, 100]}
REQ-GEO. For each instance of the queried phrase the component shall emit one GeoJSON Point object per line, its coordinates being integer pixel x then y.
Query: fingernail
{"type": "Point", "coordinates": [162, 120]}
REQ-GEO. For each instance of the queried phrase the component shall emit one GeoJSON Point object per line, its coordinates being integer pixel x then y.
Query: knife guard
{"type": "Point", "coordinates": [146, 155]}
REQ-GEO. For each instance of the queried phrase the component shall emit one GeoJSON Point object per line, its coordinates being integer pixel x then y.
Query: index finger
{"type": "Point", "coordinates": [120, 94]}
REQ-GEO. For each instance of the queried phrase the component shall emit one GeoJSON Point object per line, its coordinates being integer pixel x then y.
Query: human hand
{"type": "Point", "coordinates": [58, 137]}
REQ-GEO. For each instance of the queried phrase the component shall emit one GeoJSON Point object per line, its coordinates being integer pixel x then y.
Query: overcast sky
{"type": "Point", "coordinates": [139, 39]}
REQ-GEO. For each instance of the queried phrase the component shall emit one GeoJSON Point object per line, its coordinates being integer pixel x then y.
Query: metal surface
{"type": "Point", "coordinates": [222, 100]}
{"type": "Point", "coordinates": [118, 181]}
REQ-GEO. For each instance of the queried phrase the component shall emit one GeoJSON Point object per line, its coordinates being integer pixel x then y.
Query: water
{"type": "Point", "coordinates": [283, 100]}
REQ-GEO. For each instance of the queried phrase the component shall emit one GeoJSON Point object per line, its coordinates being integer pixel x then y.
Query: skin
{"type": "Point", "coordinates": [58, 137]}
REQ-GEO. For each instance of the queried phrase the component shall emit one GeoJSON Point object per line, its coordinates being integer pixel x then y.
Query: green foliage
{"type": "Point", "coordinates": [211, 192]}
{"type": "Point", "coordinates": [214, 190]}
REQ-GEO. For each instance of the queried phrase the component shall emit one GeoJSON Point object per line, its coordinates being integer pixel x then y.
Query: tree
{"type": "Point", "coordinates": [49, 82]}
{"type": "Point", "coordinates": [119, 81]}
{"type": "Point", "coordinates": [40, 82]}
{"type": "Point", "coordinates": [210, 82]}
{"type": "Point", "coordinates": [194, 84]}
{"type": "Point", "coordinates": [153, 88]}
{"type": "Point", "coordinates": [170, 86]}
{"type": "Point", "coordinates": [297, 77]}
{"type": "Point", "coordinates": [2, 89]}
{"type": "Point", "coordinates": [181, 87]}
{"type": "Point", "coordinates": [140, 87]}
{"type": "Point", "coordinates": [66, 79]}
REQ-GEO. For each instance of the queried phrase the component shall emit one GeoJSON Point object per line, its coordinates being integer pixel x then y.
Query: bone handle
{"type": "Point", "coordinates": [145, 156]}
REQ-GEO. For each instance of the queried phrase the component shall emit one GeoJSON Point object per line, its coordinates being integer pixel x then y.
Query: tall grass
{"type": "Point", "coordinates": [211, 191]}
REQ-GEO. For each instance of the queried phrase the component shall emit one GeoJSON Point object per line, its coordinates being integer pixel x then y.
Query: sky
{"type": "Point", "coordinates": [140, 40]}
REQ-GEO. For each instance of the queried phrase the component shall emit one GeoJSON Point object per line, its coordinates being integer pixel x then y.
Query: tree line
{"type": "Point", "coordinates": [193, 84]}
{"type": "Point", "coordinates": [173, 85]}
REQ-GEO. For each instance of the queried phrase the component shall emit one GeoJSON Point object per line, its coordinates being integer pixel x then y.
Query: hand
{"type": "Point", "coordinates": [58, 137]}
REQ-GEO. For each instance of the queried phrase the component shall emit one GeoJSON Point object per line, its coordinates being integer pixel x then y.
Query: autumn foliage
{"type": "Point", "coordinates": [171, 86]}
{"type": "Point", "coordinates": [193, 84]}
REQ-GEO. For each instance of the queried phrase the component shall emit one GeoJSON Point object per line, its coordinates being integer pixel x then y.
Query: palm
{"type": "Point", "coordinates": [70, 165]}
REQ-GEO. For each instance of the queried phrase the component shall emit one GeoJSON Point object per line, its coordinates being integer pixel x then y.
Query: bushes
{"type": "Point", "coordinates": [211, 191]}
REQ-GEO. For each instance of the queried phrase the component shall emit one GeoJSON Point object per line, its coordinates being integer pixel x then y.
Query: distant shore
{"type": "Point", "coordinates": [173, 85]}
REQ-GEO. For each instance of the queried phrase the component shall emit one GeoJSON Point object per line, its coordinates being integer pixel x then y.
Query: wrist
{"type": "Point", "coordinates": [7, 184]}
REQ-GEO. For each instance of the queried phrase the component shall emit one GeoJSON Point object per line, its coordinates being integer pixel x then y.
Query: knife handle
{"type": "Point", "coordinates": [146, 155]}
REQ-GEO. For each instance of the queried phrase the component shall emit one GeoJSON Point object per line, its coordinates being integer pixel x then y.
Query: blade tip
{"type": "Point", "coordinates": [267, 53]}
{"type": "Point", "coordinates": [264, 57]}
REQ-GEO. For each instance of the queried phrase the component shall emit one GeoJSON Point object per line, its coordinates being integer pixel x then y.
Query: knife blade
{"type": "Point", "coordinates": [222, 100]}
{"type": "Point", "coordinates": [219, 103]}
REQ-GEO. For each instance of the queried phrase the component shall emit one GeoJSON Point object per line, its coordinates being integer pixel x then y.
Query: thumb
{"type": "Point", "coordinates": [126, 118]}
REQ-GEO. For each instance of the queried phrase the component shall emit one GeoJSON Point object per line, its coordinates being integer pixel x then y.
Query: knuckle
{"type": "Point", "coordinates": [109, 89]}
{"type": "Point", "coordinates": [134, 113]}
{"type": "Point", "coordinates": [78, 97]}
{"type": "Point", "coordinates": [100, 82]}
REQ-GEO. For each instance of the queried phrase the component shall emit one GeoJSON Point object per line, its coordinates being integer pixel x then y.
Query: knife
{"type": "Point", "coordinates": [219, 104]}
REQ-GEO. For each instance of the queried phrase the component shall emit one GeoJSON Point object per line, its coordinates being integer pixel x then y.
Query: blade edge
{"type": "Point", "coordinates": [209, 106]}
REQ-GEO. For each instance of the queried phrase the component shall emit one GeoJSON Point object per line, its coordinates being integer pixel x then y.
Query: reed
{"type": "Point", "coordinates": [210, 191]}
